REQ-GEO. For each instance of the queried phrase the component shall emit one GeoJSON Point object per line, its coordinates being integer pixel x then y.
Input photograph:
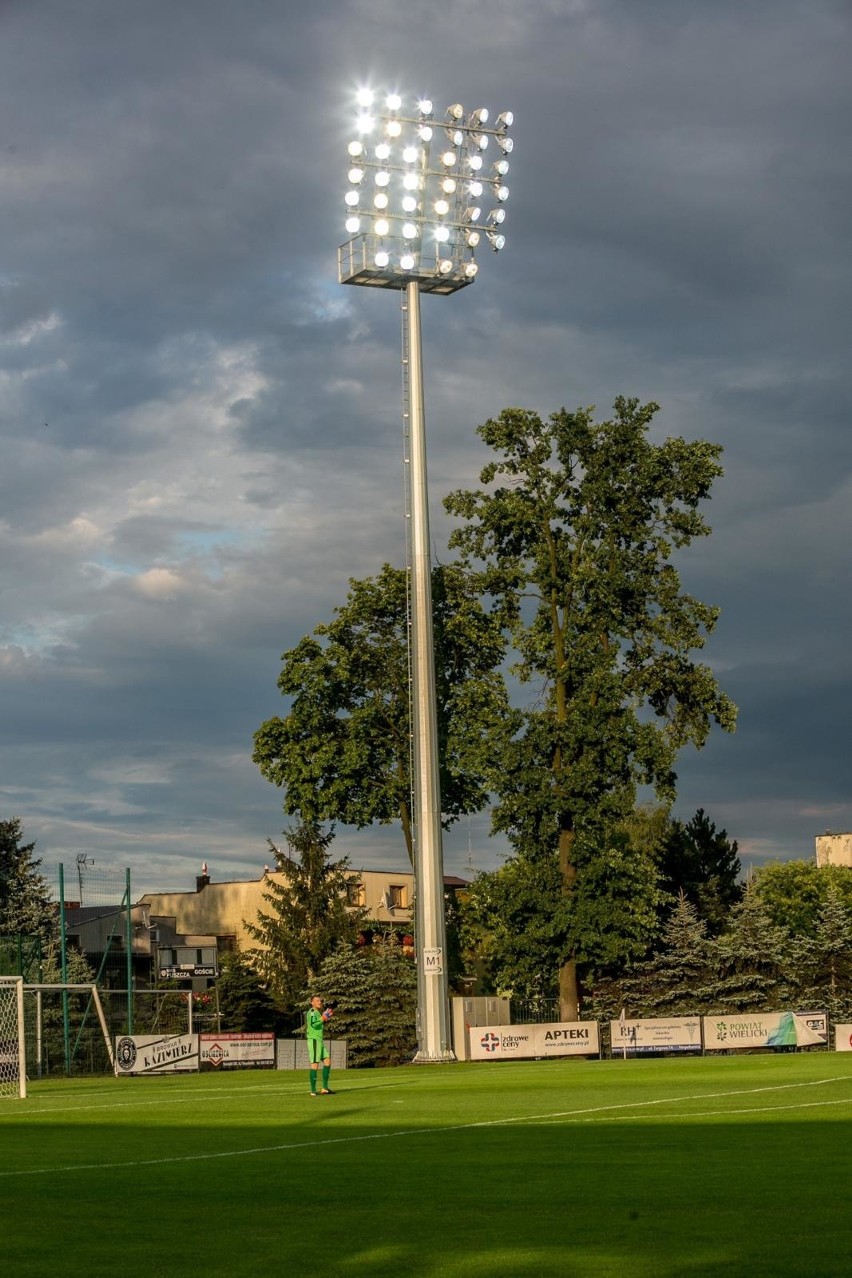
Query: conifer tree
{"type": "Point", "coordinates": [675, 981]}
{"type": "Point", "coordinates": [25, 905]}
{"type": "Point", "coordinates": [244, 1005]}
{"type": "Point", "coordinates": [702, 862]}
{"type": "Point", "coordinates": [373, 991]}
{"type": "Point", "coordinates": [824, 963]}
{"type": "Point", "coordinates": [307, 915]}
{"type": "Point", "coordinates": [753, 959]}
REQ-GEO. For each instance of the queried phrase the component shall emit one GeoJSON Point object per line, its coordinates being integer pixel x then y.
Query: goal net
{"type": "Point", "coordinates": [13, 1069]}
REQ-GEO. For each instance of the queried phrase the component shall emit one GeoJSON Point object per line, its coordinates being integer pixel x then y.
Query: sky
{"type": "Point", "coordinates": [200, 429]}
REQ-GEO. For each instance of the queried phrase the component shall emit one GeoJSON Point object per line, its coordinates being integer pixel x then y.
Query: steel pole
{"type": "Point", "coordinates": [129, 949]}
{"type": "Point", "coordinates": [430, 929]}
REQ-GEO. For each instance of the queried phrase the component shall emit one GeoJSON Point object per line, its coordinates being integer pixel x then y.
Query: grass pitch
{"type": "Point", "coordinates": [701, 1167]}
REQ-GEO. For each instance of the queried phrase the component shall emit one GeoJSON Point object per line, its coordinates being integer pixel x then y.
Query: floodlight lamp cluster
{"type": "Point", "coordinates": [424, 192]}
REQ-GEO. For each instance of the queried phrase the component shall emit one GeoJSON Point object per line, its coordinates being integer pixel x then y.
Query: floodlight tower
{"type": "Point", "coordinates": [420, 201]}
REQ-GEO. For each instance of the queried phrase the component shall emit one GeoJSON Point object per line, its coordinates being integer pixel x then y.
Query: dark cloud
{"type": "Point", "coordinates": [200, 430]}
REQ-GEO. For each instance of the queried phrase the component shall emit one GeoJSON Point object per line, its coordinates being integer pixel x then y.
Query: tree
{"type": "Point", "coordinates": [25, 905]}
{"type": "Point", "coordinates": [307, 915]}
{"type": "Point", "coordinates": [342, 752]}
{"type": "Point", "coordinates": [572, 538]}
{"type": "Point", "coordinates": [510, 931]}
{"type": "Point", "coordinates": [703, 864]}
{"type": "Point", "coordinates": [824, 962]}
{"type": "Point", "coordinates": [753, 959]}
{"type": "Point", "coordinates": [373, 990]}
{"type": "Point", "coordinates": [675, 980]}
{"type": "Point", "coordinates": [793, 892]}
{"type": "Point", "coordinates": [244, 1005]}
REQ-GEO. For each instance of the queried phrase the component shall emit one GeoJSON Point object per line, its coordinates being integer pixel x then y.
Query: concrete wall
{"type": "Point", "coordinates": [834, 849]}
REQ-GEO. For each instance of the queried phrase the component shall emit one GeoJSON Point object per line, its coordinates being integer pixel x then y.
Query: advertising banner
{"type": "Point", "coordinates": [764, 1029]}
{"type": "Point", "coordinates": [675, 1034]}
{"type": "Point", "coordinates": [568, 1038]}
{"type": "Point", "coordinates": [515, 1042]}
{"type": "Point", "coordinates": [237, 1051]}
{"type": "Point", "coordinates": [843, 1038]}
{"type": "Point", "coordinates": [156, 1053]}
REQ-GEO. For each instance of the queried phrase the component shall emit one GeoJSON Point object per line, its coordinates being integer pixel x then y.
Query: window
{"type": "Point", "coordinates": [355, 893]}
{"type": "Point", "coordinates": [396, 896]}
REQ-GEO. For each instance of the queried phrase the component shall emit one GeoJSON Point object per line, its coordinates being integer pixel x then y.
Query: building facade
{"type": "Point", "coordinates": [834, 849]}
{"type": "Point", "coordinates": [222, 909]}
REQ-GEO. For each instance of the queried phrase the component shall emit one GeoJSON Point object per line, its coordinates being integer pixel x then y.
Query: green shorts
{"type": "Point", "coordinates": [317, 1051]}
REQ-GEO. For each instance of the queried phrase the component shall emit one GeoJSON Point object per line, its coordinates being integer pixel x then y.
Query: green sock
{"type": "Point", "coordinates": [326, 1070]}
{"type": "Point", "coordinates": [313, 1074]}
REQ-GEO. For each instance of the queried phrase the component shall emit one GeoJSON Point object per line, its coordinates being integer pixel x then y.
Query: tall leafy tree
{"type": "Point", "coordinates": [793, 892]}
{"type": "Point", "coordinates": [25, 905]}
{"type": "Point", "coordinates": [510, 933]}
{"type": "Point", "coordinates": [342, 751]}
{"type": "Point", "coordinates": [307, 915]}
{"type": "Point", "coordinates": [572, 538]}
{"type": "Point", "coordinates": [702, 862]}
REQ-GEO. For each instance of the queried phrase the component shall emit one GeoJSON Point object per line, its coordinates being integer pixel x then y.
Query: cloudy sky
{"type": "Point", "coordinates": [200, 436]}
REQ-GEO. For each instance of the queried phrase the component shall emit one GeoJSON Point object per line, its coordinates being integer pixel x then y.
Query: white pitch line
{"type": "Point", "coordinates": [284, 1089]}
{"type": "Point", "coordinates": [733, 1113]}
{"type": "Point", "coordinates": [429, 1131]}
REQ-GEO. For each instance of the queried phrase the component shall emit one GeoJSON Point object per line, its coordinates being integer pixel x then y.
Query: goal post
{"type": "Point", "coordinates": [61, 991]}
{"type": "Point", "coordinates": [13, 1060]}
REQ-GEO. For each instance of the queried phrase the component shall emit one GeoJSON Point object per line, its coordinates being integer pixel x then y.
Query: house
{"type": "Point", "coordinates": [222, 909]}
{"type": "Point", "coordinates": [157, 950]}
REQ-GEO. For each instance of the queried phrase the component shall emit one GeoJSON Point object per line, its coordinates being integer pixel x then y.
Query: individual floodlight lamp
{"type": "Point", "coordinates": [416, 230]}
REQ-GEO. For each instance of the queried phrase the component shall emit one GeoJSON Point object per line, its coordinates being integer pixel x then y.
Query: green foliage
{"type": "Point", "coordinates": [703, 864]}
{"type": "Point", "coordinates": [244, 1004]}
{"type": "Point", "coordinates": [518, 926]}
{"type": "Point", "coordinates": [612, 915]}
{"type": "Point", "coordinates": [511, 930]}
{"type": "Point", "coordinates": [374, 993]}
{"type": "Point", "coordinates": [794, 891]}
{"type": "Point", "coordinates": [307, 915]}
{"type": "Point", "coordinates": [571, 538]}
{"type": "Point", "coordinates": [753, 961]}
{"type": "Point", "coordinates": [674, 981]}
{"type": "Point", "coordinates": [342, 751]}
{"type": "Point", "coordinates": [824, 962]}
{"type": "Point", "coordinates": [25, 905]}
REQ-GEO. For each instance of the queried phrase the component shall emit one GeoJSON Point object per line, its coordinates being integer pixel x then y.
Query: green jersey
{"type": "Point", "coordinates": [315, 1024]}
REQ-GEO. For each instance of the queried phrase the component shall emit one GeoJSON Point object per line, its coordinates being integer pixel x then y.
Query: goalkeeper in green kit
{"type": "Point", "coordinates": [317, 1050]}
